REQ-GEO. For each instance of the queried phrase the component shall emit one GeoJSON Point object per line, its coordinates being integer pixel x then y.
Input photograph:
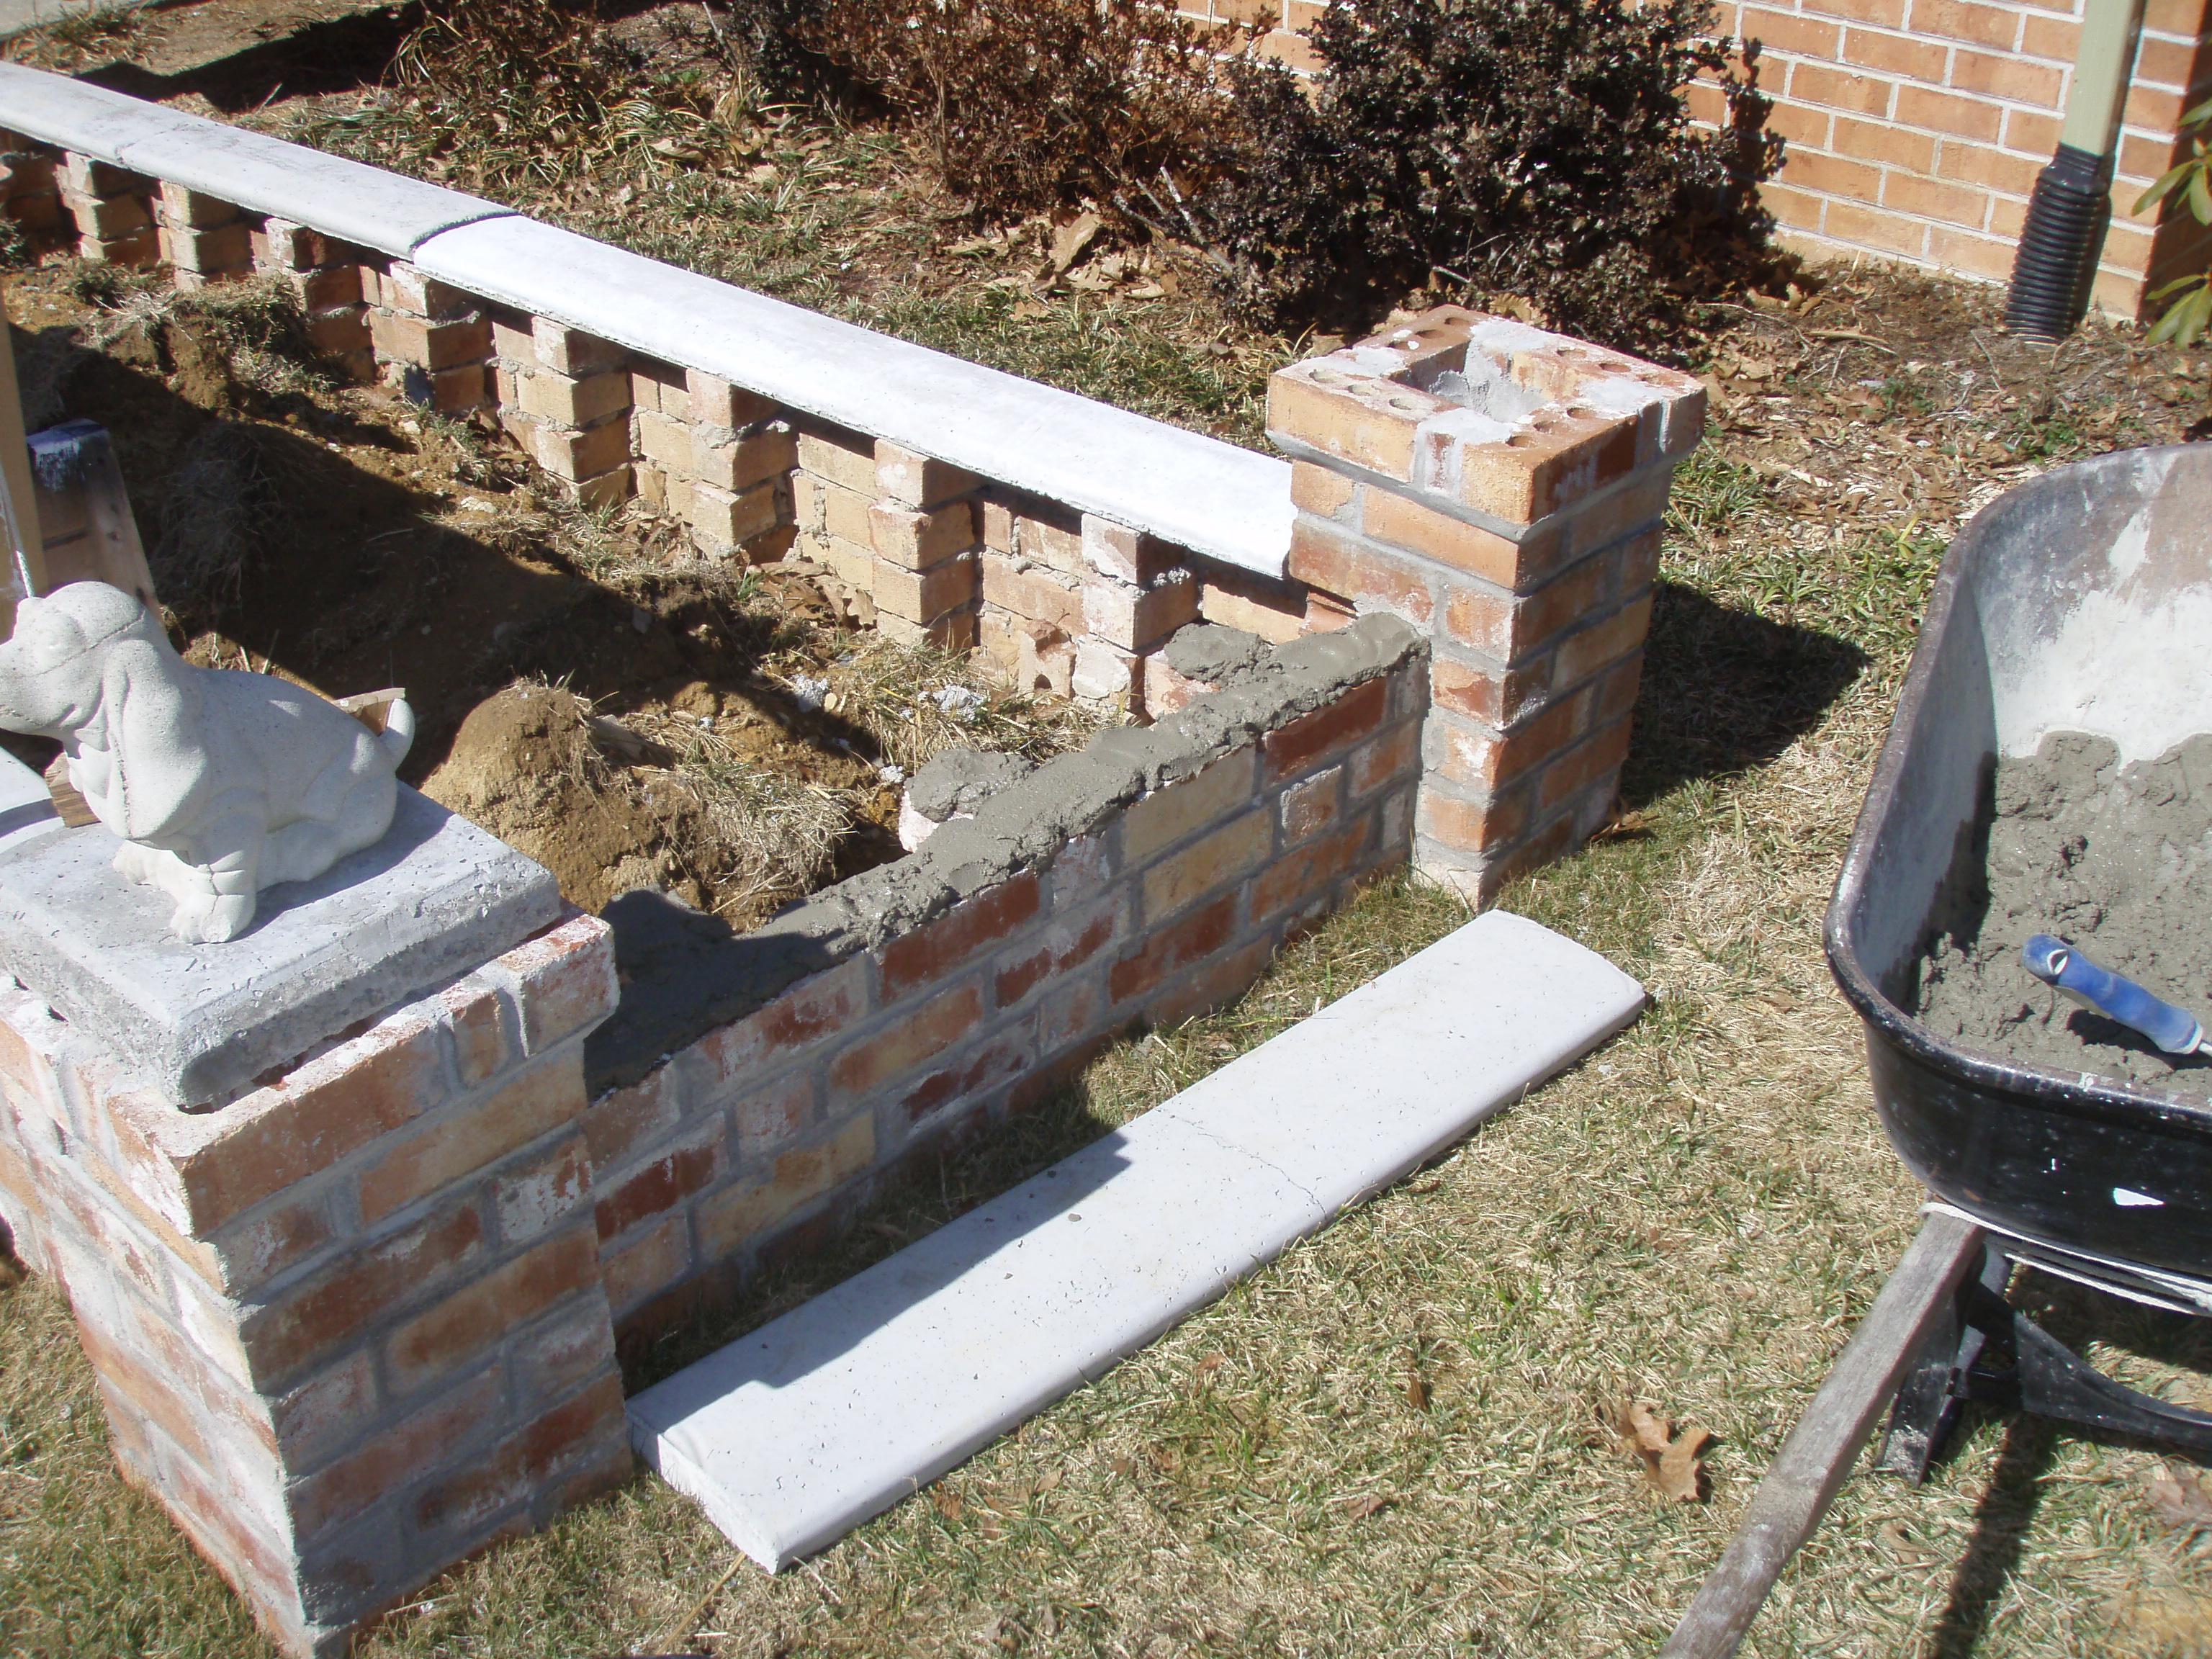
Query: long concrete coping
{"type": "Point", "coordinates": [1217, 500]}
{"type": "Point", "coordinates": [791, 1436]}
{"type": "Point", "coordinates": [350, 200]}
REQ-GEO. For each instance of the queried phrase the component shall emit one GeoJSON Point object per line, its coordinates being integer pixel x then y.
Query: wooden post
{"type": "Point", "coordinates": [1819, 1455]}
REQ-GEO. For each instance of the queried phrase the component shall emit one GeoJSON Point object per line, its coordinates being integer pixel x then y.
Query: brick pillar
{"type": "Point", "coordinates": [112, 210]}
{"type": "Point", "coordinates": [565, 397]}
{"type": "Point", "coordinates": [717, 457]}
{"type": "Point", "coordinates": [1501, 488]}
{"type": "Point", "coordinates": [898, 529]}
{"type": "Point", "coordinates": [30, 190]}
{"type": "Point", "coordinates": [326, 275]}
{"type": "Point", "coordinates": [433, 341]}
{"type": "Point", "coordinates": [204, 239]}
{"type": "Point", "coordinates": [350, 1328]}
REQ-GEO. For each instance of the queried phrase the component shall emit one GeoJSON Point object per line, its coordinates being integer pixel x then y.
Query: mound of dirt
{"type": "Point", "coordinates": [525, 767]}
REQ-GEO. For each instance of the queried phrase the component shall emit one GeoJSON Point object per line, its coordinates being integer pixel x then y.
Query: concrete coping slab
{"type": "Point", "coordinates": [436, 898]}
{"type": "Point", "coordinates": [793, 1435]}
{"type": "Point", "coordinates": [1219, 501]}
{"type": "Point", "coordinates": [350, 200]}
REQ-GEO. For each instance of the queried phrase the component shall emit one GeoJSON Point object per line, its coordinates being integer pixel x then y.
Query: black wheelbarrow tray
{"type": "Point", "coordinates": [2080, 601]}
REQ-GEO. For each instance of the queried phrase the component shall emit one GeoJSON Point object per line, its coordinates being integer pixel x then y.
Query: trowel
{"type": "Point", "coordinates": [2073, 975]}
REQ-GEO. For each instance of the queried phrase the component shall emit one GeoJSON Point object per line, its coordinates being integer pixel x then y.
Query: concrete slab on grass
{"type": "Point", "coordinates": [350, 200]}
{"type": "Point", "coordinates": [435, 899]}
{"type": "Point", "coordinates": [1217, 499]}
{"type": "Point", "coordinates": [791, 1436]}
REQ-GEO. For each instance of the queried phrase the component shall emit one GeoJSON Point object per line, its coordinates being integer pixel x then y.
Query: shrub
{"type": "Point", "coordinates": [1486, 147]}
{"type": "Point", "coordinates": [1026, 104]}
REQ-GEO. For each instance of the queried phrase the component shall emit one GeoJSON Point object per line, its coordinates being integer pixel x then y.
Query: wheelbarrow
{"type": "Point", "coordinates": [2081, 601]}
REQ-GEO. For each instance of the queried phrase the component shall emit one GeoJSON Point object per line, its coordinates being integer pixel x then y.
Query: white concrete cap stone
{"type": "Point", "coordinates": [349, 200]}
{"type": "Point", "coordinates": [795, 1434]}
{"type": "Point", "coordinates": [1226, 504]}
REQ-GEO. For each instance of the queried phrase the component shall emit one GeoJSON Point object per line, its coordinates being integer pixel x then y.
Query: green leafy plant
{"type": "Point", "coordinates": [2188, 299]}
{"type": "Point", "coordinates": [1480, 148]}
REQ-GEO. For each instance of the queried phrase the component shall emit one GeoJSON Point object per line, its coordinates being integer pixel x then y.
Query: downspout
{"type": "Point", "coordinates": [2057, 260]}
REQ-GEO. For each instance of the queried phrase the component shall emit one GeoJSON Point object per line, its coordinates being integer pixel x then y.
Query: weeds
{"type": "Point", "coordinates": [82, 37]}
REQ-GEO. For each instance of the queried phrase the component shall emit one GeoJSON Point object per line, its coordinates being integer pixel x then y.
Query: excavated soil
{"type": "Point", "coordinates": [585, 689]}
{"type": "Point", "coordinates": [2115, 860]}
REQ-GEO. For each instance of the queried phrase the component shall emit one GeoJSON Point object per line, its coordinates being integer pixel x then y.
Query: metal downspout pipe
{"type": "Point", "coordinates": [2056, 262]}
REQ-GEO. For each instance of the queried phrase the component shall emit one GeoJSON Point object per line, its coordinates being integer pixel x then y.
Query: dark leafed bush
{"type": "Point", "coordinates": [1538, 148]}
{"type": "Point", "coordinates": [1027, 104]}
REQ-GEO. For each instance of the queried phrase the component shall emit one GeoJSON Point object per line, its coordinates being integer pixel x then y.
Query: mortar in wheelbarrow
{"type": "Point", "coordinates": [2079, 602]}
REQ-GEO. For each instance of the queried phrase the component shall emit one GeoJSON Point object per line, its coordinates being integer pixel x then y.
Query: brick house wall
{"type": "Point", "coordinates": [1915, 128]}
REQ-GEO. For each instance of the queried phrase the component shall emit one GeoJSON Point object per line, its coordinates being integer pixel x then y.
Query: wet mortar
{"type": "Point", "coordinates": [2115, 860]}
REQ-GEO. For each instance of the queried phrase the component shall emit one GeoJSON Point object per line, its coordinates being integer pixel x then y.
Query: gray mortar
{"type": "Point", "coordinates": [684, 974]}
{"type": "Point", "coordinates": [1212, 654]}
{"type": "Point", "coordinates": [962, 780]}
{"type": "Point", "coordinates": [2115, 860]}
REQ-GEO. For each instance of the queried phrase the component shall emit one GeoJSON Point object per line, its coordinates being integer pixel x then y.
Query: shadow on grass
{"type": "Point", "coordinates": [1725, 690]}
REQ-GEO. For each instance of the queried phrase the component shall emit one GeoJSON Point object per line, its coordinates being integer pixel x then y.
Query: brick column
{"type": "Point", "coordinates": [716, 456]}
{"type": "Point", "coordinates": [326, 275]}
{"type": "Point", "coordinates": [29, 189]}
{"type": "Point", "coordinates": [565, 397]}
{"type": "Point", "coordinates": [1501, 488]}
{"type": "Point", "coordinates": [350, 1328]}
{"type": "Point", "coordinates": [111, 209]}
{"type": "Point", "coordinates": [896, 528]}
{"type": "Point", "coordinates": [204, 239]}
{"type": "Point", "coordinates": [433, 341]}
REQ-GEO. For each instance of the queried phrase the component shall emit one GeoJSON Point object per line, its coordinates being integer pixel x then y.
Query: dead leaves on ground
{"type": "Point", "coordinates": [1672, 1461]}
{"type": "Point", "coordinates": [2181, 1499]}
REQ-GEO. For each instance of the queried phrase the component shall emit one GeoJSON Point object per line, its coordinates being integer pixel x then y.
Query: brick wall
{"type": "Point", "coordinates": [1198, 847]}
{"type": "Point", "coordinates": [350, 1327]}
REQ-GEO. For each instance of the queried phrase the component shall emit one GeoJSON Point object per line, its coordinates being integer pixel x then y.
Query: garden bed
{"type": "Point", "coordinates": [625, 712]}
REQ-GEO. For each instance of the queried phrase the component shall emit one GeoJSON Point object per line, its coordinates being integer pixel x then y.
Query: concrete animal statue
{"type": "Point", "coordinates": [220, 783]}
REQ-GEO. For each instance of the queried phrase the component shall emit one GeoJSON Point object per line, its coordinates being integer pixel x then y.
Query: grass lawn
{"type": "Point", "coordinates": [1394, 1439]}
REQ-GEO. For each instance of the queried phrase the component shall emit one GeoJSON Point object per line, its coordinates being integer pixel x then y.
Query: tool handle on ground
{"type": "Point", "coordinates": [2067, 971]}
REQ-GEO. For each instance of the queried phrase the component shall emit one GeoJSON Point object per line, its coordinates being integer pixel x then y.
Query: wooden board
{"type": "Point", "coordinates": [1817, 1458]}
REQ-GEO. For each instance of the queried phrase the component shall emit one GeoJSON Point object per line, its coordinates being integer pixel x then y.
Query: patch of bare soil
{"type": "Point", "coordinates": [585, 687]}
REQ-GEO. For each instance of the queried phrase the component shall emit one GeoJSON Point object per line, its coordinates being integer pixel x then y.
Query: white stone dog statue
{"type": "Point", "coordinates": [220, 783]}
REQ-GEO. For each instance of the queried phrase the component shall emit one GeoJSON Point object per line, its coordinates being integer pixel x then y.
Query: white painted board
{"type": "Point", "coordinates": [1226, 502]}
{"type": "Point", "coordinates": [793, 1435]}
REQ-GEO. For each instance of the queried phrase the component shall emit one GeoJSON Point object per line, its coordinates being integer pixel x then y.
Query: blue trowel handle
{"type": "Point", "coordinates": [2059, 965]}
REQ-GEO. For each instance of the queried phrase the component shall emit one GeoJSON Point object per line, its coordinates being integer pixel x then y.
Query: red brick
{"type": "Point", "coordinates": [1387, 517]}
{"type": "Point", "coordinates": [767, 1117]}
{"type": "Point", "coordinates": [1804, 126]}
{"type": "Point", "coordinates": [1273, 611]}
{"type": "Point", "coordinates": [1890, 14]}
{"type": "Point", "coordinates": [522, 1465]}
{"type": "Point", "coordinates": [912, 479]}
{"type": "Point", "coordinates": [623, 1122]}
{"type": "Point", "coordinates": [1032, 593]}
{"type": "Point", "coordinates": [1324, 614]}
{"type": "Point", "coordinates": [338, 1304]}
{"type": "Point", "coordinates": [663, 1183]}
{"type": "Point", "coordinates": [1211, 985]}
{"type": "Point", "coordinates": [472, 1136]}
{"type": "Point", "coordinates": [1303, 873]}
{"type": "Point", "coordinates": [1597, 647]}
{"type": "Point", "coordinates": [1616, 690]}
{"type": "Point", "coordinates": [922, 596]}
{"type": "Point", "coordinates": [1331, 561]}
{"type": "Point", "coordinates": [1393, 756]}
{"type": "Point", "coordinates": [1944, 112]}
{"type": "Point", "coordinates": [1471, 826]}
{"type": "Point", "coordinates": [930, 1030]}
{"type": "Point", "coordinates": [1512, 629]}
{"type": "Point", "coordinates": [202, 1170]}
{"type": "Point", "coordinates": [1296, 747]}
{"type": "Point", "coordinates": [396, 1457]}
{"type": "Point", "coordinates": [1989, 168]}
{"type": "Point", "coordinates": [1787, 31]}
{"type": "Point", "coordinates": [1876, 227]}
{"type": "Point", "coordinates": [327, 1409]}
{"type": "Point", "coordinates": [1877, 141]}
{"type": "Point", "coordinates": [1001, 1059]}
{"type": "Point", "coordinates": [1840, 89]}
{"type": "Point", "coordinates": [1597, 754]}
{"type": "Point", "coordinates": [478, 1316]}
{"type": "Point", "coordinates": [811, 1011]}
{"type": "Point", "coordinates": [918, 540]}
{"type": "Point", "coordinates": [1484, 760]}
{"type": "Point", "coordinates": [928, 953]}
{"type": "Point", "coordinates": [1170, 948]}
{"type": "Point", "coordinates": [1895, 54]}
{"type": "Point", "coordinates": [563, 981]}
{"type": "Point", "coordinates": [1349, 415]}
{"type": "Point", "coordinates": [1833, 175]}
{"type": "Point", "coordinates": [1064, 945]}
{"type": "Point", "coordinates": [1127, 554]}
{"type": "Point", "coordinates": [1235, 849]}
{"type": "Point", "coordinates": [1931, 198]}
{"type": "Point", "coordinates": [2009, 77]}
{"type": "Point", "coordinates": [658, 1258]}
{"type": "Point", "coordinates": [136, 1388]}
{"type": "Point", "coordinates": [738, 1216]}
{"type": "Point", "coordinates": [479, 1034]}
{"type": "Point", "coordinates": [1136, 618]}
{"type": "Point", "coordinates": [410, 339]}
{"type": "Point", "coordinates": [1318, 490]}
{"type": "Point", "coordinates": [1306, 808]}
{"type": "Point", "coordinates": [712, 401]}
{"type": "Point", "coordinates": [1180, 810]}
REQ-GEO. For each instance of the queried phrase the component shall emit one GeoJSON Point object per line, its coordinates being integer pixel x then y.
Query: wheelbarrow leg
{"type": "Point", "coordinates": [1929, 1399]}
{"type": "Point", "coordinates": [1817, 1458]}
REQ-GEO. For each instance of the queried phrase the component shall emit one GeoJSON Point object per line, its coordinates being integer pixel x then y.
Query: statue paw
{"type": "Point", "coordinates": [135, 863]}
{"type": "Point", "coordinates": [212, 918]}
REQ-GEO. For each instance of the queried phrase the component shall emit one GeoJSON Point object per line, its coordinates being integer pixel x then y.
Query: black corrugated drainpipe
{"type": "Point", "coordinates": [2056, 263]}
